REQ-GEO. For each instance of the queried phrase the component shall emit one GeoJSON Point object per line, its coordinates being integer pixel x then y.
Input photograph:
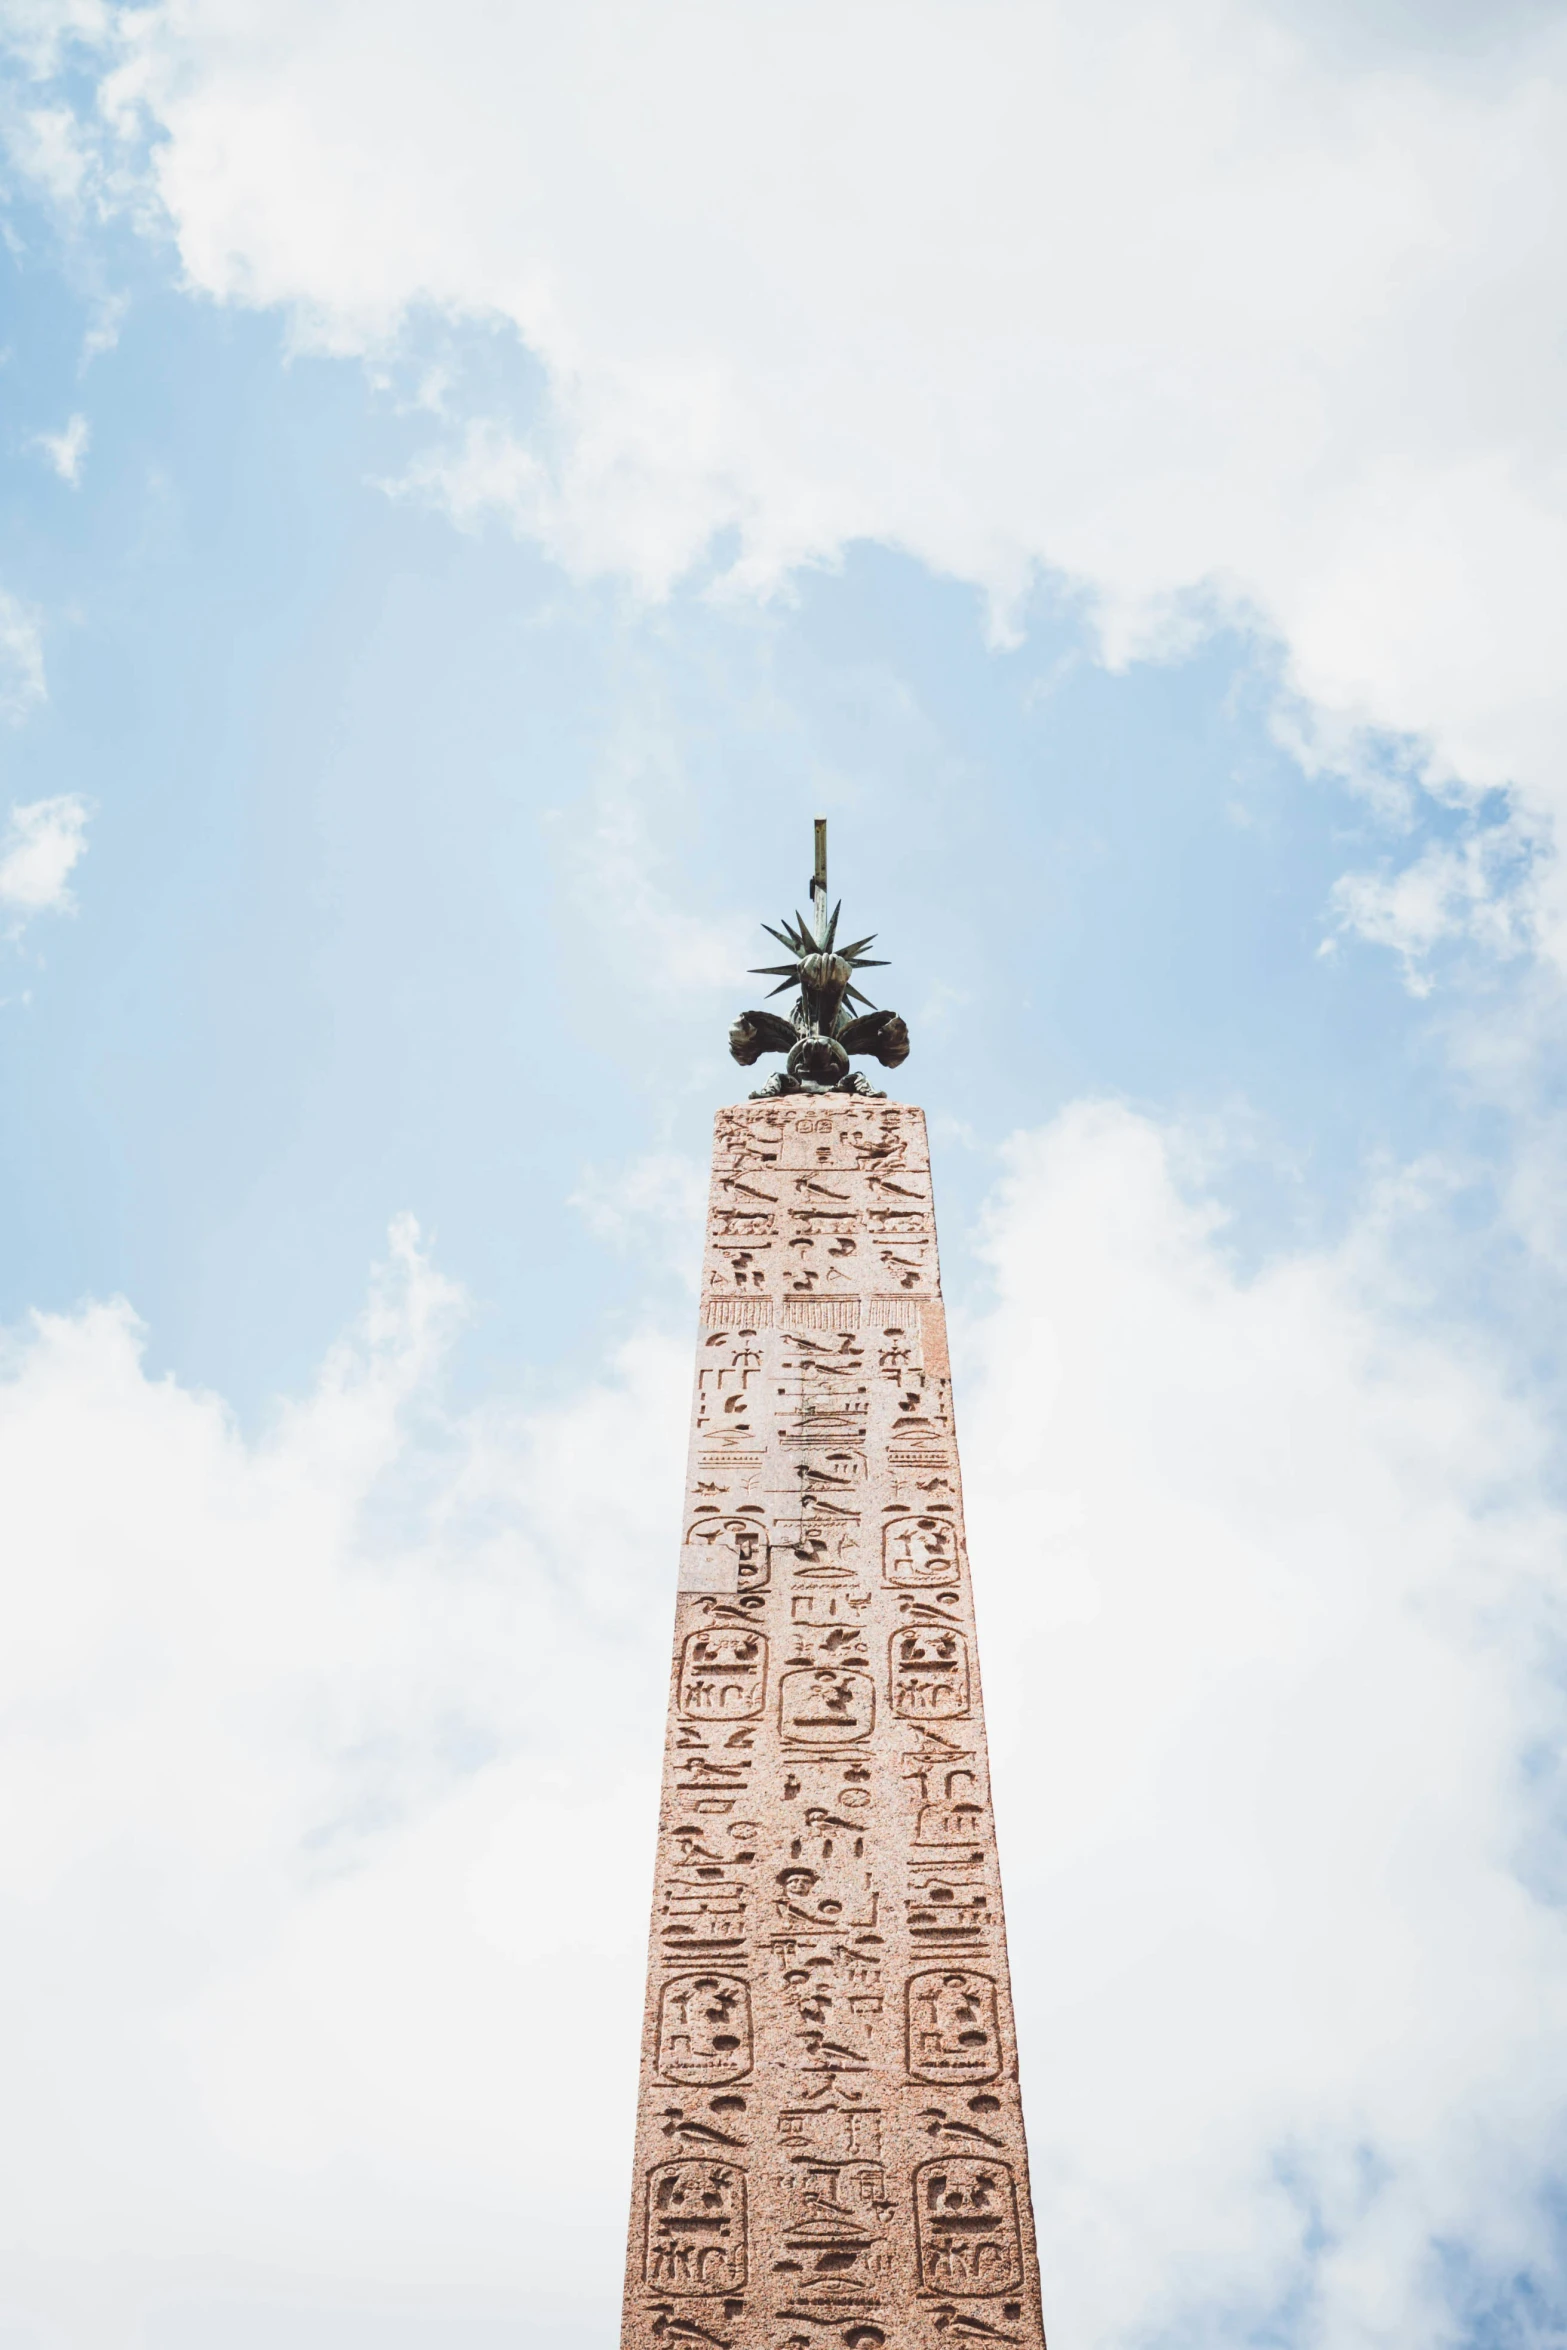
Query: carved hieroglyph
{"type": "Point", "coordinates": [829, 2143]}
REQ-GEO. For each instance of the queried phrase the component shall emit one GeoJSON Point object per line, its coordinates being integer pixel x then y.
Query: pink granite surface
{"type": "Point", "coordinates": [830, 2142]}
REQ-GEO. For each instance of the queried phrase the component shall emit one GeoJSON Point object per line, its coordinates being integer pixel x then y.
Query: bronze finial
{"type": "Point", "coordinates": [821, 1032]}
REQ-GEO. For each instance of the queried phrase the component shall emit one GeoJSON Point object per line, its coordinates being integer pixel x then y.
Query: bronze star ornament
{"type": "Point", "coordinates": [821, 1032]}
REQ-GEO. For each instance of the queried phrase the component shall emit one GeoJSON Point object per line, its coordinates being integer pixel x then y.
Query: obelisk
{"type": "Point", "coordinates": [829, 2141]}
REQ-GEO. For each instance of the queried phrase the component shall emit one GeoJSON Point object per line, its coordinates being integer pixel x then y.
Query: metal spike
{"type": "Point", "coordinates": [783, 987]}
{"type": "Point", "coordinates": [832, 927]}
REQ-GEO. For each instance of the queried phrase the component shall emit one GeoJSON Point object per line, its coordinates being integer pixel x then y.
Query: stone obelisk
{"type": "Point", "coordinates": [830, 2141]}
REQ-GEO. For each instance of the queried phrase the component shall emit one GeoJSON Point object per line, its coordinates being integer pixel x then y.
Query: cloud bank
{"type": "Point", "coordinates": [322, 1957]}
{"type": "Point", "coordinates": [321, 1975]}
{"type": "Point", "coordinates": [1201, 306]}
{"type": "Point", "coordinates": [1272, 1622]}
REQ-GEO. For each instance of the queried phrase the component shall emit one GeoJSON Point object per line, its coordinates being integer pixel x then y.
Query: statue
{"type": "Point", "coordinates": [821, 1032]}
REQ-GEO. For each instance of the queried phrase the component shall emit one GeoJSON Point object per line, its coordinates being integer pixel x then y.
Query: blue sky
{"type": "Point", "coordinates": [475, 485]}
{"type": "Point", "coordinates": [369, 794]}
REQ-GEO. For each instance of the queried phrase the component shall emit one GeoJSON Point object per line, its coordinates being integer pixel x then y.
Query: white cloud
{"type": "Point", "coordinates": [1183, 300]}
{"type": "Point", "coordinates": [332, 1755]}
{"type": "Point", "coordinates": [1270, 1611]}
{"type": "Point", "coordinates": [331, 1758]}
{"type": "Point", "coordinates": [1468, 888]}
{"type": "Point", "coordinates": [46, 143]}
{"type": "Point", "coordinates": [22, 682]}
{"type": "Point", "coordinates": [42, 844]}
{"type": "Point", "coordinates": [41, 32]}
{"type": "Point", "coordinates": [66, 451]}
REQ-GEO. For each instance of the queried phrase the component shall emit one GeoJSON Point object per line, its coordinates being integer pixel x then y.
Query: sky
{"type": "Point", "coordinates": [474, 483]}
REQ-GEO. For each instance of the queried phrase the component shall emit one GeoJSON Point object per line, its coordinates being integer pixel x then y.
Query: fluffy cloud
{"type": "Point", "coordinates": [65, 452]}
{"type": "Point", "coordinates": [1270, 1617]}
{"type": "Point", "coordinates": [1464, 889]}
{"type": "Point", "coordinates": [1208, 306]}
{"type": "Point", "coordinates": [43, 841]}
{"type": "Point", "coordinates": [334, 1746]}
{"type": "Point", "coordinates": [331, 1756]}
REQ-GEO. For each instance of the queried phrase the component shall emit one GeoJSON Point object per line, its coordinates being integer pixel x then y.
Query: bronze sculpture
{"type": "Point", "coordinates": [821, 1033]}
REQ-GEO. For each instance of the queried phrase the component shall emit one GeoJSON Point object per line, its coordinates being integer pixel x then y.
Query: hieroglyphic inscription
{"type": "Point", "coordinates": [704, 2029]}
{"type": "Point", "coordinates": [953, 2035]}
{"type": "Point", "coordinates": [696, 2233]}
{"type": "Point", "coordinates": [725, 1552]}
{"type": "Point", "coordinates": [929, 1669]}
{"type": "Point", "coordinates": [830, 2149]}
{"type": "Point", "coordinates": [826, 1705]}
{"type": "Point", "coordinates": [835, 2217]}
{"type": "Point", "coordinates": [966, 2215]}
{"type": "Point", "coordinates": [921, 1549]}
{"type": "Point", "coordinates": [724, 1672]}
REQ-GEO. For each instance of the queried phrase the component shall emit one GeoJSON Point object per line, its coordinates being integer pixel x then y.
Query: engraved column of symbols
{"type": "Point", "coordinates": [830, 2149]}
